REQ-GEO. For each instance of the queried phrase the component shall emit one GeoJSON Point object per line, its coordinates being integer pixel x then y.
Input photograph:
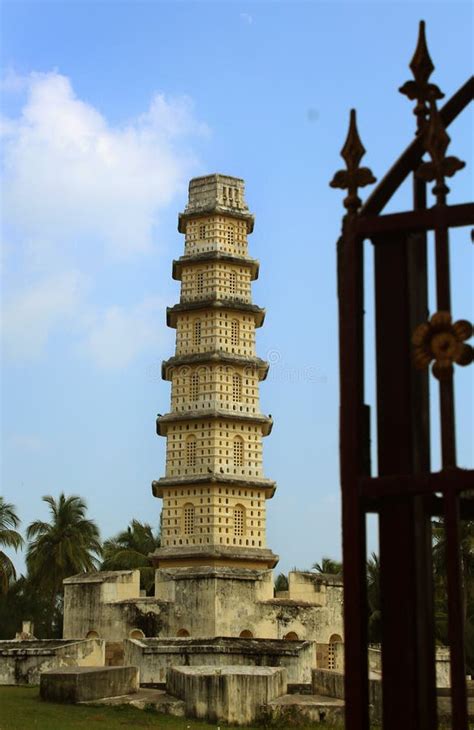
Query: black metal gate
{"type": "Point", "coordinates": [405, 494]}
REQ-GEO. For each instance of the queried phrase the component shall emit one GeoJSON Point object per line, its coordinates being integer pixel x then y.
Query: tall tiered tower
{"type": "Point", "coordinates": [214, 492]}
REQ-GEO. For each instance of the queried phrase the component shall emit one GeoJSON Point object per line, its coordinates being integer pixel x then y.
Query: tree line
{"type": "Point", "coordinates": [67, 544]}
{"type": "Point", "coordinates": [330, 566]}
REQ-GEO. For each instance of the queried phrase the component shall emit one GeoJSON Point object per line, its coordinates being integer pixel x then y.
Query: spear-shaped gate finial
{"type": "Point", "coordinates": [421, 89]}
{"type": "Point", "coordinates": [354, 177]}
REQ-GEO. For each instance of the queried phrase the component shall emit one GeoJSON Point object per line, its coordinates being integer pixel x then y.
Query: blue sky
{"type": "Point", "coordinates": [108, 108]}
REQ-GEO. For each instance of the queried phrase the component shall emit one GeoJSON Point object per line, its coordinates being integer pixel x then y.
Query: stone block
{"type": "Point", "coordinates": [232, 694]}
{"type": "Point", "coordinates": [329, 683]}
{"type": "Point", "coordinates": [80, 684]}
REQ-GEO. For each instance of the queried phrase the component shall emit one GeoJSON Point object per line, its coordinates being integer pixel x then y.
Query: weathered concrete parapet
{"type": "Point", "coordinates": [331, 684]}
{"type": "Point", "coordinates": [114, 585]}
{"type": "Point", "coordinates": [154, 657]}
{"type": "Point", "coordinates": [313, 587]}
{"type": "Point", "coordinates": [232, 694]}
{"type": "Point", "coordinates": [95, 604]}
{"type": "Point", "coordinates": [21, 662]}
{"type": "Point", "coordinates": [82, 684]}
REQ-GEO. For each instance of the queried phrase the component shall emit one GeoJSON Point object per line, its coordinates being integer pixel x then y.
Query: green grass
{"type": "Point", "coordinates": [22, 709]}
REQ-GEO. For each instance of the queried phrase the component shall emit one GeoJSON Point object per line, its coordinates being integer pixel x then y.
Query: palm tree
{"type": "Point", "coordinates": [67, 545]}
{"type": "Point", "coordinates": [9, 537]}
{"type": "Point", "coordinates": [328, 566]}
{"type": "Point", "coordinates": [281, 583]}
{"type": "Point", "coordinates": [373, 598]}
{"type": "Point", "coordinates": [130, 550]}
{"type": "Point", "coordinates": [466, 540]}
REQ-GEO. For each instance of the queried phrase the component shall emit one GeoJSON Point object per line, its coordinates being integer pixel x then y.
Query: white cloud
{"type": "Point", "coordinates": [119, 335]}
{"type": "Point", "coordinates": [75, 184]}
{"type": "Point", "coordinates": [31, 315]}
{"type": "Point", "coordinates": [69, 173]}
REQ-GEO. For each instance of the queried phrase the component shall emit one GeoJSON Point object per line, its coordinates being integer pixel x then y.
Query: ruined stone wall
{"type": "Point", "coordinates": [203, 603]}
{"type": "Point", "coordinates": [21, 662]}
{"type": "Point", "coordinates": [108, 605]}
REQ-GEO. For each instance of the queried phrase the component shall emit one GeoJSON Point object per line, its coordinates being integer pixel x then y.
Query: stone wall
{"type": "Point", "coordinates": [443, 667]}
{"type": "Point", "coordinates": [331, 684]}
{"type": "Point", "coordinates": [154, 657]}
{"type": "Point", "coordinates": [200, 603]}
{"type": "Point", "coordinates": [108, 604]}
{"type": "Point", "coordinates": [21, 662]}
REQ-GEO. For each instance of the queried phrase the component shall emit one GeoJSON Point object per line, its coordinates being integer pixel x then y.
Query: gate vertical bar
{"type": "Point", "coordinates": [403, 546]}
{"type": "Point", "coordinates": [421, 445]}
{"type": "Point", "coordinates": [350, 266]}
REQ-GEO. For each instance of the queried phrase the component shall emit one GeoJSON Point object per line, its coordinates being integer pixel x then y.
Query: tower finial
{"type": "Point", "coordinates": [420, 89]}
{"type": "Point", "coordinates": [354, 177]}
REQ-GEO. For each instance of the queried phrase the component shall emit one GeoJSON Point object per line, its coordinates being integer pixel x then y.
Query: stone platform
{"type": "Point", "coordinates": [78, 684]}
{"type": "Point", "coordinates": [296, 708]}
{"type": "Point", "coordinates": [230, 694]}
{"type": "Point", "coordinates": [145, 698]}
{"type": "Point", "coordinates": [154, 657]}
{"type": "Point", "coordinates": [291, 707]}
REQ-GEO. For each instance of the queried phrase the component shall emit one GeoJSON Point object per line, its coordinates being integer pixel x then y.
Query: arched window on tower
{"type": "Point", "coordinates": [194, 387]}
{"type": "Point", "coordinates": [239, 520]}
{"type": "Point", "coordinates": [234, 332]}
{"type": "Point", "coordinates": [236, 388]}
{"type": "Point", "coordinates": [191, 451]}
{"type": "Point", "coordinates": [232, 283]}
{"type": "Point", "coordinates": [238, 451]}
{"type": "Point", "coordinates": [197, 332]}
{"type": "Point", "coordinates": [202, 231]}
{"type": "Point", "coordinates": [200, 282]}
{"type": "Point", "coordinates": [230, 235]}
{"type": "Point", "coordinates": [188, 515]}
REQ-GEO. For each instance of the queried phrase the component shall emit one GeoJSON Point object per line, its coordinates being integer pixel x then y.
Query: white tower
{"type": "Point", "coordinates": [214, 492]}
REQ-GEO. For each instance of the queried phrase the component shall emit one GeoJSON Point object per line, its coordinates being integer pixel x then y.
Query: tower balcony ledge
{"type": "Point", "coordinates": [215, 209]}
{"type": "Point", "coordinates": [211, 256]}
{"type": "Point", "coordinates": [227, 480]}
{"type": "Point", "coordinates": [214, 303]}
{"type": "Point", "coordinates": [162, 422]}
{"type": "Point", "coordinates": [213, 357]}
{"type": "Point", "coordinates": [213, 555]}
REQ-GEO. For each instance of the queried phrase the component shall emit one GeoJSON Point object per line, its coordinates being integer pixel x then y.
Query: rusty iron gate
{"type": "Point", "coordinates": [406, 493]}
